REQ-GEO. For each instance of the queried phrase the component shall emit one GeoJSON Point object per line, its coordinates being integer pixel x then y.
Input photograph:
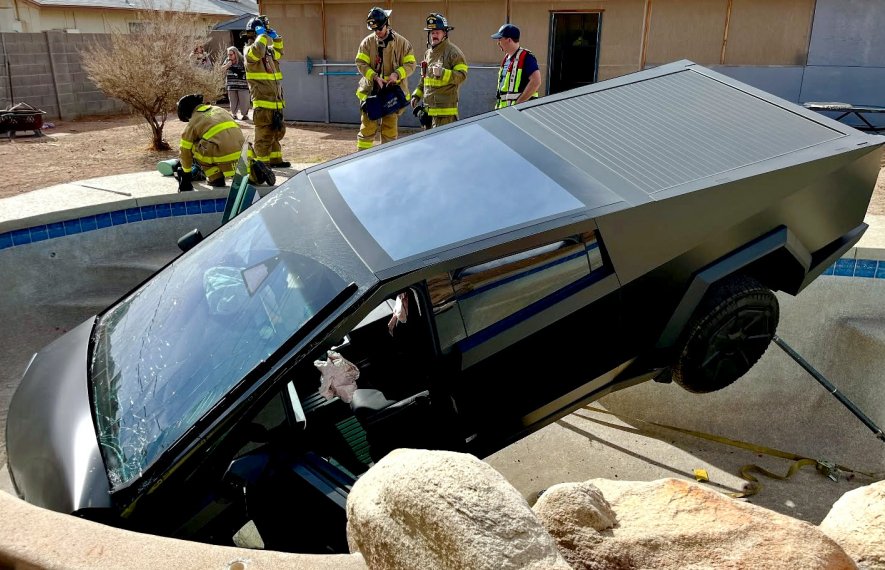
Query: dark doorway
{"type": "Point", "coordinates": [574, 50]}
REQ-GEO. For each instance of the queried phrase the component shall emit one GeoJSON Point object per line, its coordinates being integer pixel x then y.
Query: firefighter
{"type": "Point", "coordinates": [266, 89]}
{"type": "Point", "coordinates": [443, 70]}
{"type": "Point", "coordinates": [211, 139]}
{"type": "Point", "coordinates": [519, 76]}
{"type": "Point", "coordinates": [384, 58]}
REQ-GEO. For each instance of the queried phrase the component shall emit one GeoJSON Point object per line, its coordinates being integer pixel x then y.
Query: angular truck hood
{"type": "Point", "coordinates": [51, 440]}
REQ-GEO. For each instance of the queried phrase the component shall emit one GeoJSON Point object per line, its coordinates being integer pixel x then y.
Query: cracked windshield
{"type": "Point", "coordinates": [170, 351]}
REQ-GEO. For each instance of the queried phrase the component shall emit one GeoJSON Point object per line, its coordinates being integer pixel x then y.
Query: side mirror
{"type": "Point", "coordinates": [190, 239]}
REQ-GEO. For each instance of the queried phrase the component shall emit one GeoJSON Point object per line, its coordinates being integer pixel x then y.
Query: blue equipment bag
{"type": "Point", "coordinates": [388, 100]}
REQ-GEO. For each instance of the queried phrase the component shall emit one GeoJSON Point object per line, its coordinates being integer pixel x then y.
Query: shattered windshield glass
{"type": "Point", "coordinates": [172, 349]}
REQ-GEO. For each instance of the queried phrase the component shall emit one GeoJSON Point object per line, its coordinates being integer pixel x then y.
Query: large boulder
{"type": "Point", "coordinates": [857, 523]}
{"type": "Point", "coordinates": [575, 514]}
{"type": "Point", "coordinates": [672, 523]}
{"type": "Point", "coordinates": [439, 509]}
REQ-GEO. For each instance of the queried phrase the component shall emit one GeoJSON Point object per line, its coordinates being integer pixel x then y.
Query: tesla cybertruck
{"type": "Point", "coordinates": [558, 250]}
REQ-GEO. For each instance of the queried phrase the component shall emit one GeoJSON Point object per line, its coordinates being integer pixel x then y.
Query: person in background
{"type": "Point", "coordinates": [519, 76]}
{"type": "Point", "coordinates": [442, 72]}
{"type": "Point", "coordinates": [200, 58]}
{"type": "Point", "coordinates": [235, 80]}
{"type": "Point", "coordinates": [383, 58]}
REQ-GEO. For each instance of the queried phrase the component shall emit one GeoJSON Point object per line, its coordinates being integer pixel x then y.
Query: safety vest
{"type": "Point", "coordinates": [512, 79]}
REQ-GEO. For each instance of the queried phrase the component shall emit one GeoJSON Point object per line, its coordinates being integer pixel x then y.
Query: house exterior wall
{"type": "Point", "coordinates": [32, 18]}
{"type": "Point", "coordinates": [798, 49]}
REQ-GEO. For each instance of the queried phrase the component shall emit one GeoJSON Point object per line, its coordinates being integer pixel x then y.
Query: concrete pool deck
{"type": "Point", "coordinates": [838, 324]}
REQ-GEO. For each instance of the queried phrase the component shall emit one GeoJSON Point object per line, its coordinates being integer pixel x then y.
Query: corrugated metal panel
{"type": "Point", "coordinates": [669, 130]}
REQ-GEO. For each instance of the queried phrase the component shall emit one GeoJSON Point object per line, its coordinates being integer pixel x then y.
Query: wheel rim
{"type": "Point", "coordinates": [738, 343]}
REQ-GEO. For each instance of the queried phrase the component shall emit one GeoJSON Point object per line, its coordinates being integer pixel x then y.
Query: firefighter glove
{"type": "Point", "coordinates": [260, 30]}
{"type": "Point", "coordinates": [184, 182]}
{"type": "Point", "coordinates": [272, 33]}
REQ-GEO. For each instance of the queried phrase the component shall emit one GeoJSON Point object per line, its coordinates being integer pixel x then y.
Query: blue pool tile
{"type": "Point", "coordinates": [39, 233]}
{"type": "Point", "coordinates": [133, 215]}
{"type": "Point", "coordinates": [179, 209]}
{"type": "Point", "coordinates": [103, 220]}
{"type": "Point", "coordinates": [193, 207]}
{"type": "Point", "coordinates": [148, 212]}
{"type": "Point", "coordinates": [88, 223]}
{"type": "Point", "coordinates": [207, 206]}
{"type": "Point", "coordinates": [72, 227]}
{"type": "Point", "coordinates": [56, 229]}
{"type": "Point", "coordinates": [164, 210]}
{"type": "Point", "coordinates": [865, 268]}
{"type": "Point", "coordinates": [118, 217]}
{"type": "Point", "coordinates": [5, 241]}
{"type": "Point", "coordinates": [845, 267]}
{"type": "Point", "coordinates": [21, 237]}
{"type": "Point", "coordinates": [219, 204]}
{"type": "Point", "coordinates": [829, 270]}
{"type": "Point", "coordinates": [880, 271]}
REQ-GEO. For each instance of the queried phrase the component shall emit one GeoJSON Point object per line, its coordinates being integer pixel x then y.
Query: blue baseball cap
{"type": "Point", "coordinates": [507, 31]}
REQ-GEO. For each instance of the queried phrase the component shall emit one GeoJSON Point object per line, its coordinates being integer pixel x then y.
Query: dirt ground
{"type": "Point", "coordinates": [89, 148]}
{"type": "Point", "coordinates": [102, 146]}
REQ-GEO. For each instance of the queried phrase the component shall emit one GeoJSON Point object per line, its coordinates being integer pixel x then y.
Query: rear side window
{"type": "Point", "coordinates": [524, 282]}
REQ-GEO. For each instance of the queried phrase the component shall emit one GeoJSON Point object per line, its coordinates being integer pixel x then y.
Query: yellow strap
{"type": "Point", "coordinates": [370, 73]}
{"type": "Point", "coordinates": [361, 96]}
{"type": "Point", "coordinates": [261, 104]}
{"type": "Point", "coordinates": [434, 82]}
{"type": "Point", "coordinates": [187, 145]}
{"type": "Point", "coordinates": [364, 57]}
{"type": "Point", "coordinates": [753, 485]}
{"type": "Point", "coordinates": [363, 144]}
{"type": "Point", "coordinates": [401, 71]}
{"type": "Point", "coordinates": [418, 93]}
{"type": "Point", "coordinates": [442, 111]}
{"type": "Point", "coordinates": [218, 128]}
{"type": "Point", "coordinates": [461, 67]}
{"type": "Point", "coordinates": [409, 59]}
{"type": "Point", "coordinates": [217, 159]}
{"type": "Point", "coordinates": [260, 76]}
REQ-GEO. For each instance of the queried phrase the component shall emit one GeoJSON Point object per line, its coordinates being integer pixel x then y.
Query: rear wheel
{"type": "Point", "coordinates": [729, 332]}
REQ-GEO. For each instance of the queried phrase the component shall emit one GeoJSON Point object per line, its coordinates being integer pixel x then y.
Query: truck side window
{"type": "Point", "coordinates": [490, 292]}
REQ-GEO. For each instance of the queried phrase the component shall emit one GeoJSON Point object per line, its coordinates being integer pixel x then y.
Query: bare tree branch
{"type": "Point", "coordinates": [151, 68]}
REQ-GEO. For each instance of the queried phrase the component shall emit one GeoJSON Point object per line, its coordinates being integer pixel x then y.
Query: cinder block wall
{"type": "Point", "coordinates": [44, 70]}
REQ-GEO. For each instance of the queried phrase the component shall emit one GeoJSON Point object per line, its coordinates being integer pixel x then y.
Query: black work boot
{"type": "Point", "coordinates": [263, 174]}
{"type": "Point", "coordinates": [217, 183]}
{"type": "Point", "coordinates": [284, 164]}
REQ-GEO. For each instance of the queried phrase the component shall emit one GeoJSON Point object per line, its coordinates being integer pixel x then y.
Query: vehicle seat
{"type": "Point", "coordinates": [390, 424]}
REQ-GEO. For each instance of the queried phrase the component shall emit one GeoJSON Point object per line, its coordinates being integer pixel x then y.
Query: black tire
{"type": "Point", "coordinates": [729, 331]}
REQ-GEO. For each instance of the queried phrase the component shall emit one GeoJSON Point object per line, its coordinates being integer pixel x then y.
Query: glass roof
{"type": "Point", "coordinates": [447, 188]}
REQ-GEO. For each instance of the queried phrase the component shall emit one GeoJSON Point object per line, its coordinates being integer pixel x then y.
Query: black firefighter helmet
{"type": "Point", "coordinates": [437, 21]}
{"type": "Point", "coordinates": [377, 18]}
{"type": "Point", "coordinates": [187, 104]}
{"type": "Point", "coordinates": [256, 22]}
